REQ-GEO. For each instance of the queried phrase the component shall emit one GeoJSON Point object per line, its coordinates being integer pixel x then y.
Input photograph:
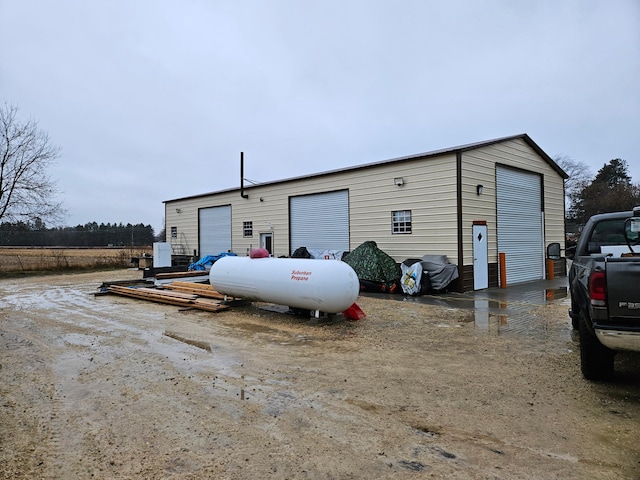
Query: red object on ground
{"type": "Point", "coordinates": [354, 312]}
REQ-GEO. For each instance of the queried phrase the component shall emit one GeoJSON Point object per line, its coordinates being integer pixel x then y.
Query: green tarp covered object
{"type": "Point", "coordinates": [373, 265]}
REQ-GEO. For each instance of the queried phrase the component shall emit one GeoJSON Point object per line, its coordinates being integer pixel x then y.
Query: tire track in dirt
{"type": "Point", "coordinates": [26, 392]}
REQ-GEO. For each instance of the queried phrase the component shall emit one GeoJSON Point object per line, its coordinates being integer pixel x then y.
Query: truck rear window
{"type": "Point", "coordinates": [607, 232]}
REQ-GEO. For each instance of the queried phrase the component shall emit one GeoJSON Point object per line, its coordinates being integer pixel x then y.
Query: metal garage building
{"type": "Point", "coordinates": [470, 203]}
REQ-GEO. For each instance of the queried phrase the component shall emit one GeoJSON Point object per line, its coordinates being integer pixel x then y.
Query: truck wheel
{"type": "Point", "coordinates": [596, 360]}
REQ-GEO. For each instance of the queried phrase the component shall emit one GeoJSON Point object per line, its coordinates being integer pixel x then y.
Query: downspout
{"type": "Point", "coordinates": [242, 194]}
{"type": "Point", "coordinates": [460, 284]}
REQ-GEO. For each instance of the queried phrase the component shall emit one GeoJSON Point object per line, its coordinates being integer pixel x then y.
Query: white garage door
{"type": "Point", "coordinates": [520, 234]}
{"type": "Point", "coordinates": [214, 230]}
{"type": "Point", "coordinates": [320, 221]}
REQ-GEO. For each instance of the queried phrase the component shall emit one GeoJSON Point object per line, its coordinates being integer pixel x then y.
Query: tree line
{"type": "Point", "coordinates": [37, 234]}
{"type": "Point", "coordinates": [610, 190]}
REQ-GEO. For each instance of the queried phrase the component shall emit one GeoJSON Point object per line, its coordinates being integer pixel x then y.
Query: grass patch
{"type": "Point", "coordinates": [22, 262]}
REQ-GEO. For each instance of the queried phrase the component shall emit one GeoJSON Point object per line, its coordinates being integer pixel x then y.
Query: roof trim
{"type": "Point", "coordinates": [434, 153]}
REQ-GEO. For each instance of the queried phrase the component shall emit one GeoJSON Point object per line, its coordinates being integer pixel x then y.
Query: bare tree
{"type": "Point", "coordinates": [26, 191]}
{"type": "Point", "coordinates": [579, 177]}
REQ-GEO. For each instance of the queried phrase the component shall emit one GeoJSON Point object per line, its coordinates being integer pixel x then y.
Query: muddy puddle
{"type": "Point", "coordinates": [503, 312]}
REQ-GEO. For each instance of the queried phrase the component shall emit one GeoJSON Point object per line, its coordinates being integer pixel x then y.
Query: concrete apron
{"type": "Point", "coordinates": [500, 310]}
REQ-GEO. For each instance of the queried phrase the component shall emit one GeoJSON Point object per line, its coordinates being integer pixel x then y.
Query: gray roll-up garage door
{"type": "Point", "coordinates": [214, 230]}
{"type": "Point", "coordinates": [320, 221]}
{"type": "Point", "coordinates": [520, 234]}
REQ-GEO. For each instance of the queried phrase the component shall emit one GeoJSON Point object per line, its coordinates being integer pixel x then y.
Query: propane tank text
{"type": "Point", "coordinates": [300, 275]}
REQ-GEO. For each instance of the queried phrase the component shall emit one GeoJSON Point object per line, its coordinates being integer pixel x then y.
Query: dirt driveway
{"type": "Point", "coordinates": [109, 387]}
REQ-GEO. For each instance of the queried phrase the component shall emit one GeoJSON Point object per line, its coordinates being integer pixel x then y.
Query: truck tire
{"type": "Point", "coordinates": [575, 320]}
{"type": "Point", "coordinates": [575, 323]}
{"type": "Point", "coordinates": [596, 360]}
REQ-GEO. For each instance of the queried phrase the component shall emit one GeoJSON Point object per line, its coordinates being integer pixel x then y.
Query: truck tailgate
{"type": "Point", "coordinates": [623, 288]}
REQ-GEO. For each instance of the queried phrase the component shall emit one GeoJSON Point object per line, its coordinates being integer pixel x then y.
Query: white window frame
{"type": "Point", "coordinates": [247, 229]}
{"type": "Point", "coordinates": [401, 222]}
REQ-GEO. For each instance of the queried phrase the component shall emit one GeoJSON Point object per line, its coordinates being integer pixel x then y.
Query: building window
{"type": "Point", "coordinates": [174, 232]}
{"type": "Point", "coordinates": [401, 221]}
{"type": "Point", "coordinates": [247, 229]}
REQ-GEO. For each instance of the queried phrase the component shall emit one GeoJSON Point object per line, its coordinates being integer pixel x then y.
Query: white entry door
{"type": "Point", "coordinates": [480, 258]}
{"type": "Point", "coordinates": [266, 242]}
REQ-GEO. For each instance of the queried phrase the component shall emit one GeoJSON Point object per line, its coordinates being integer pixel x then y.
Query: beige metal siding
{"type": "Point", "coordinates": [429, 192]}
{"type": "Point", "coordinates": [479, 167]}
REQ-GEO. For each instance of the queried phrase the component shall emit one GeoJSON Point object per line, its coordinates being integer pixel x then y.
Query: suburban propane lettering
{"type": "Point", "coordinates": [298, 275]}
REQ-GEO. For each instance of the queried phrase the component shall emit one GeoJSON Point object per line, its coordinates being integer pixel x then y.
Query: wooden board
{"type": "Point", "coordinates": [197, 289]}
{"type": "Point", "coordinates": [182, 299]}
{"type": "Point", "coordinates": [196, 273]}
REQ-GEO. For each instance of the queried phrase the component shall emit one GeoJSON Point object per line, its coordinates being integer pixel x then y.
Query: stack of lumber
{"type": "Point", "coordinates": [198, 296]}
{"type": "Point", "coordinates": [200, 289]}
{"type": "Point", "coordinates": [172, 275]}
{"type": "Point", "coordinates": [193, 276]}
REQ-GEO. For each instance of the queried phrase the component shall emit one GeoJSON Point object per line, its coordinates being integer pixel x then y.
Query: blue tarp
{"type": "Point", "coordinates": [205, 262]}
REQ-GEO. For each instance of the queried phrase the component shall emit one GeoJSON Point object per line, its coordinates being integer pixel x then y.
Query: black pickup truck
{"type": "Point", "coordinates": [604, 280]}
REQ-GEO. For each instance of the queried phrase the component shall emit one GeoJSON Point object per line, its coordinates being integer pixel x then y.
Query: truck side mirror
{"type": "Point", "coordinates": [553, 251]}
{"type": "Point", "coordinates": [632, 230]}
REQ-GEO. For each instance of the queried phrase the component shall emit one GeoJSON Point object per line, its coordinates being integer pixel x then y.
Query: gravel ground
{"type": "Point", "coordinates": [114, 388]}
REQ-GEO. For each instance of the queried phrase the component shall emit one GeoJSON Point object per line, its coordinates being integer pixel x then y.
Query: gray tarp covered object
{"type": "Point", "coordinates": [440, 272]}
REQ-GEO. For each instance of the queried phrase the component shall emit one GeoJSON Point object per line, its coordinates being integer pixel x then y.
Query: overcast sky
{"type": "Point", "coordinates": [154, 100]}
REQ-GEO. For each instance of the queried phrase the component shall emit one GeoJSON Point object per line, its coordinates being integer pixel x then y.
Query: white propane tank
{"type": "Point", "coordinates": [329, 286]}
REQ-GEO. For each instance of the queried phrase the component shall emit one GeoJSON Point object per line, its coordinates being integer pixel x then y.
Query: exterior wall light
{"type": "Point", "coordinates": [399, 181]}
{"type": "Point", "coordinates": [178, 210]}
{"type": "Point", "coordinates": [479, 189]}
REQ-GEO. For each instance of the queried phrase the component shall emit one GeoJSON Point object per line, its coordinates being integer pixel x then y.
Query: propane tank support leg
{"type": "Point", "coordinates": [315, 319]}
